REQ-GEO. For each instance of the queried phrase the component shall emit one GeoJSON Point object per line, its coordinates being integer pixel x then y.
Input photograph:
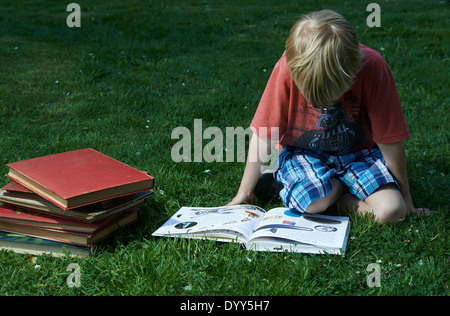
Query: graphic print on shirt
{"type": "Point", "coordinates": [335, 134]}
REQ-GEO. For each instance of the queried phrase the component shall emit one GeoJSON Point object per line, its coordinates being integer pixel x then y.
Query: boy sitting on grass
{"type": "Point", "coordinates": [331, 106]}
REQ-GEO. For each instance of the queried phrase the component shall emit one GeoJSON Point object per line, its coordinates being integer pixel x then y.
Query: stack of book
{"type": "Point", "coordinates": [66, 203]}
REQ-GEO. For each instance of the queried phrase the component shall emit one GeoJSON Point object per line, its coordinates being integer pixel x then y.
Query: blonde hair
{"type": "Point", "coordinates": [323, 56]}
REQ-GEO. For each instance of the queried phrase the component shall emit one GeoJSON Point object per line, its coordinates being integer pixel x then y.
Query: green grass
{"type": "Point", "coordinates": [163, 64]}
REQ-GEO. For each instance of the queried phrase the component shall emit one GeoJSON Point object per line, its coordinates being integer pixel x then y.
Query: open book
{"type": "Point", "coordinates": [279, 229]}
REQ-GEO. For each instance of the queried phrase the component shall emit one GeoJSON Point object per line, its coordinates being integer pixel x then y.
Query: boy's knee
{"type": "Point", "coordinates": [318, 206]}
{"type": "Point", "coordinates": [322, 204]}
{"type": "Point", "coordinates": [387, 204]}
{"type": "Point", "coordinates": [391, 213]}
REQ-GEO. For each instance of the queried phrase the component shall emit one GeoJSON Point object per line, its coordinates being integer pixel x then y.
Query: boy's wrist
{"type": "Point", "coordinates": [408, 201]}
{"type": "Point", "coordinates": [246, 192]}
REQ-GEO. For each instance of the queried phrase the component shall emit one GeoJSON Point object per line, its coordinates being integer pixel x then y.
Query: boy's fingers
{"type": "Point", "coordinates": [242, 199]}
{"type": "Point", "coordinates": [421, 211]}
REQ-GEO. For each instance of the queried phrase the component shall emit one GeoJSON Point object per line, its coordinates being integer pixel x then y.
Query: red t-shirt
{"type": "Point", "coordinates": [368, 113]}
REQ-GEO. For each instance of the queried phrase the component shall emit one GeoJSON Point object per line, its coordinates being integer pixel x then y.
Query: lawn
{"type": "Point", "coordinates": [136, 70]}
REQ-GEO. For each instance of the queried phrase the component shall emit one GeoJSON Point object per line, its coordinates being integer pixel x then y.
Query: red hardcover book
{"type": "Point", "coordinates": [73, 237]}
{"type": "Point", "coordinates": [16, 189]}
{"type": "Point", "coordinates": [79, 177]}
{"type": "Point", "coordinates": [16, 215]}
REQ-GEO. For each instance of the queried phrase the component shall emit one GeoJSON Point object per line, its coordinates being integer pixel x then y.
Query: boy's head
{"type": "Point", "coordinates": [323, 56]}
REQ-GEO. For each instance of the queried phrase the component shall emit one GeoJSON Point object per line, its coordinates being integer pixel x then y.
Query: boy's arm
{"type": "Point", "coordinates": [395, 156]}
{"type": "Point", "coordinates": [258, 154]}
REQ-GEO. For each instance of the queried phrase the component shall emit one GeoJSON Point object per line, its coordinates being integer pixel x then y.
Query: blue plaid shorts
{"type": "Point", "coordinates": [306, 174]}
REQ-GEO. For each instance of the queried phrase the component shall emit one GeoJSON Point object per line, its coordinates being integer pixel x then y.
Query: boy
{"type": "Point", "coordinates": [331, 106]}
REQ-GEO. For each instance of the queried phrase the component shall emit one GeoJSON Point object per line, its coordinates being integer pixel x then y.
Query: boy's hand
{"type": "Point", "coordinates": [242, 198]}
{"type": "Point", "coordinates": [420, 211]}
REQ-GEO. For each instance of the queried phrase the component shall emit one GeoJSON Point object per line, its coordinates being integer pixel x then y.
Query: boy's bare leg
{"type": "Point", "coordinates": [322, 204]}
{"type": "Point", "coordinates": [386, 204]}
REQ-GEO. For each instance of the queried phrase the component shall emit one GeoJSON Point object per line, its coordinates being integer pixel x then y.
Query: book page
{"type": "Point", "coordinates": [320, 230]}
{"type": "Point", "coordinates": [227, 222]}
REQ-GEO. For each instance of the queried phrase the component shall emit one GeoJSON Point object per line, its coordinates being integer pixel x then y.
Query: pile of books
{"type": "Point", "coordinates": [67, 203]}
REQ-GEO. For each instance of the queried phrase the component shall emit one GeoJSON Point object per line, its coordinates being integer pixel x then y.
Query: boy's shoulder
{"type": "Point", "coordinates": [370, 53]}
{"type": "Point", "coordinates": [372, 59]}
{"type": "Point", "coordinates": [282, 67]}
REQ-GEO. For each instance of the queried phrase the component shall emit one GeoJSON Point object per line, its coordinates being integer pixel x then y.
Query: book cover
{"type": "Point", "coordinates": [23, 244]}
{"type": "Point", "coordinates": [79, 177]}
{"type": "Point", "coordinates": [17, 215]}
{"type": "Point", "coordinates": [89, 213]}
{"type": "Point", "coordinates": [74, 238]}
{"type": "Point", "coordinates": [16, 189]}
